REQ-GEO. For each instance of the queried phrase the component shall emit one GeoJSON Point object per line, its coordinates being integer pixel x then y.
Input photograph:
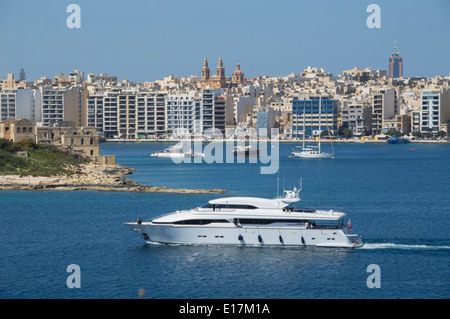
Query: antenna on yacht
{"type": "Point", "coordinates": [300, 185]}
{"type": "Point", "coordinates": [278, 184]}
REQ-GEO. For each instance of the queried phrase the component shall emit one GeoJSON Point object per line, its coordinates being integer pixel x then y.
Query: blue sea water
{"type": "Point", "coordinates": [396, 198]}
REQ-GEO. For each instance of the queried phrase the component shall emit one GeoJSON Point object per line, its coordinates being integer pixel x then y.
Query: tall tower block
{"type": "Point", "coordinates": [395, 65]}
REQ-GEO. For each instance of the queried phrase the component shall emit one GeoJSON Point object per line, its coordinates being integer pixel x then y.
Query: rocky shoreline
{"type": "Point", "coordinates": [92, 176]}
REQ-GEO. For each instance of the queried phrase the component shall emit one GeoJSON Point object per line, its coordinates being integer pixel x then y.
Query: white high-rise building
{"type": "Point", "coordinates": [435, 110]}
{"type": "Point", "coordinates": [212, 110]}
{"type": "Point", "coordinates": [110, 114]}
{"type": "Point", "coordinates": [21, 103]}
{"type": "Point", "coordinates": [180, 118]}
{"type": "Point", "coordinates": [127, 113]}
{"type": "Point", "coordinates": [8, 104]}
{"type": "Point", "coordinates": [95, 112]}
{"type": "Point", "coordinates": [52, 106]}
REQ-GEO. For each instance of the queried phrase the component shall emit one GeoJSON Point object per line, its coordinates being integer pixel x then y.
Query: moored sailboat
{"type": "Point", "coordinates": [312, 151]}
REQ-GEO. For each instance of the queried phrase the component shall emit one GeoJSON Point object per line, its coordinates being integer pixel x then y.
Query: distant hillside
{"type": "Point", "coordinates": [28, 158]}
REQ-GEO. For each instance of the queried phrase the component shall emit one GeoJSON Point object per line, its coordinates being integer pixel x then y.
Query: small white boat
{"type": "Point", "coordinates": [176, 151]}
{"type": "Point", "coordinates": [247, 150]}
{"type": "Point", "coordinates": [251, 221]}
{"type": "Point", "coordinates": [311, 152]}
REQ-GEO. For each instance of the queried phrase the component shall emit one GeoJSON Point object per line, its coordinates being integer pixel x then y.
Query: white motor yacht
{"type": "Point", "coordinates": [247, 150]}
{"type": "Point", "coordinates": [311, 152]}
{"type": "Point", "coordinates": [251, 221]}
{"type": "Point", "coordinates": [176, 151]}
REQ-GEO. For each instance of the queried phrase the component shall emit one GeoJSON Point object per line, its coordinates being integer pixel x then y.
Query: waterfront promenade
{"type": "Point", "coordinates": [380, 141]}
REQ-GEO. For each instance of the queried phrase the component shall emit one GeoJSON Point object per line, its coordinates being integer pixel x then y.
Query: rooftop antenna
{"type": "Point", "coordinates": [395, 48]}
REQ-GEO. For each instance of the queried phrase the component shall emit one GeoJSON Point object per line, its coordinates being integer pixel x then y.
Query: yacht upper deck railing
{"type": "Point", "coordinates": [322, 211]}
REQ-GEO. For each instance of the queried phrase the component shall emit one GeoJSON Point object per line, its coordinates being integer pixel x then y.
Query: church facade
{"type": "Point", "coordinates": [219, 80]}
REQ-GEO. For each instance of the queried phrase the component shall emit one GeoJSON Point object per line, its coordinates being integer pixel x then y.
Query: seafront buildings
{"type": "Point", "coordinates": [359, 101]}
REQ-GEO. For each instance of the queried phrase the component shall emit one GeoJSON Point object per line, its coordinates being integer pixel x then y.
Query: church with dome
{"type": "Point", "coordinates": [219, 80]}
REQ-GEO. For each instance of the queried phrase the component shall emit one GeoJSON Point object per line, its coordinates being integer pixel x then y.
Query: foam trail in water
{"type": "Point", "coordinates": [401, 246]}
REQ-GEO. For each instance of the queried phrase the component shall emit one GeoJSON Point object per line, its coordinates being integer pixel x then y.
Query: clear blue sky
{"type": "Point", "coordinates": [147, 40]}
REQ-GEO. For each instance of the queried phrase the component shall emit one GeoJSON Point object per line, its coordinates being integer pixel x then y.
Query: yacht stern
{"type": "Point", "coordinates": [355, 240]}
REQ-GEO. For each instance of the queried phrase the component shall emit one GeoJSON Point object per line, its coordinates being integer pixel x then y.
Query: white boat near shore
{"type": "Point", "coordinates": [251, 221]}
{"type": "Point", "coordinates": [311, 151]}
{"type": "Point", "coordinates": [176, 151]}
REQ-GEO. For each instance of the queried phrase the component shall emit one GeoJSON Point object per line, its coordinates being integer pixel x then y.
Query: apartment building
{"type": "Point", "coordinates": [110, 126]}
{"type": "Point", "coordinates": [52, 106]}
{"type": "Point", "coordinates": [400, 123]}
{"type": "Point", "coordinates": [159, 111]}
{"type": "Point", "coordinates": [23, 103]}
{"type": "Point", "coordinates": [64, 105]}
{"type": "Point", "coordinates": [147, 117]}
{"type": "Point", "coordinates": [76, 77]}
{"type": "Point", "coordinates": [220, 103]}
{"type": "Point", "coordinates": [8, 105]}
{"type": "Point", "coordinates": [212, 110]}
{"type": "Point", "coordinates": [207, 109]}
{"type": "Point", "coordinates": [243, 105]}
{"type": "Point", "coordinates": [180, 118]}
{"type": "Point", "coordinates": [384, 106]}
{"type": "Point", "coordinates": [95, 108]}
{"type": "Point", "coordinates": [127, 113]}
{"type": "Point", "coordinates": [357, 118]}
{"type": "Point", "coordinates": [315, 112]}
{"type": "Point", "coordinates": [74, 106]}
{"type": "Point", "coordinates": [102, 79]}
{"type": "Point", "coordinates": [10, 82]}
{"type": "Point", "coordinates": [126, 117]}
{"type": "Point", "coordinates": [435, 110]}
{"type": "Point", "coordinates": [416, 120]}
{"type": "Point", "coordinates": [266, 121]}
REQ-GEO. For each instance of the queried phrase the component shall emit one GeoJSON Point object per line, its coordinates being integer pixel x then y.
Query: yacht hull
{"type": "Point", "coordinates": [241, 236]}
{"type": "Point", "coordinates": [176, 155]}
{"type": "Point", "coordinates": [308, 155]}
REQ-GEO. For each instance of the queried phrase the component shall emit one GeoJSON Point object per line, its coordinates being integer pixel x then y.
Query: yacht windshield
{"type": "Point", "coordinates": [292, 208]}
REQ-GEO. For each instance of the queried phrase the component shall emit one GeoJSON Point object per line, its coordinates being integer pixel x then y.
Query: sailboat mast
{"type": "Point", "coordinates": [304, 128]}
{"type": "Point", "coordinates": [320, 105]}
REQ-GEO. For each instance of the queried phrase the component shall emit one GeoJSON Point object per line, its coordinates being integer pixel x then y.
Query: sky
{"type": "Point", "coordinates": [148, 40]}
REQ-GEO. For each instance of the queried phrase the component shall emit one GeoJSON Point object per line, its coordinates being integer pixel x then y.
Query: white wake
{"type": "Point", "coordinates": [403, 246]}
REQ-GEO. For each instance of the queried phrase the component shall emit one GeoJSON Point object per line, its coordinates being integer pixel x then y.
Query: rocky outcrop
{"type": "Point", "coordinates": [91, 176]}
